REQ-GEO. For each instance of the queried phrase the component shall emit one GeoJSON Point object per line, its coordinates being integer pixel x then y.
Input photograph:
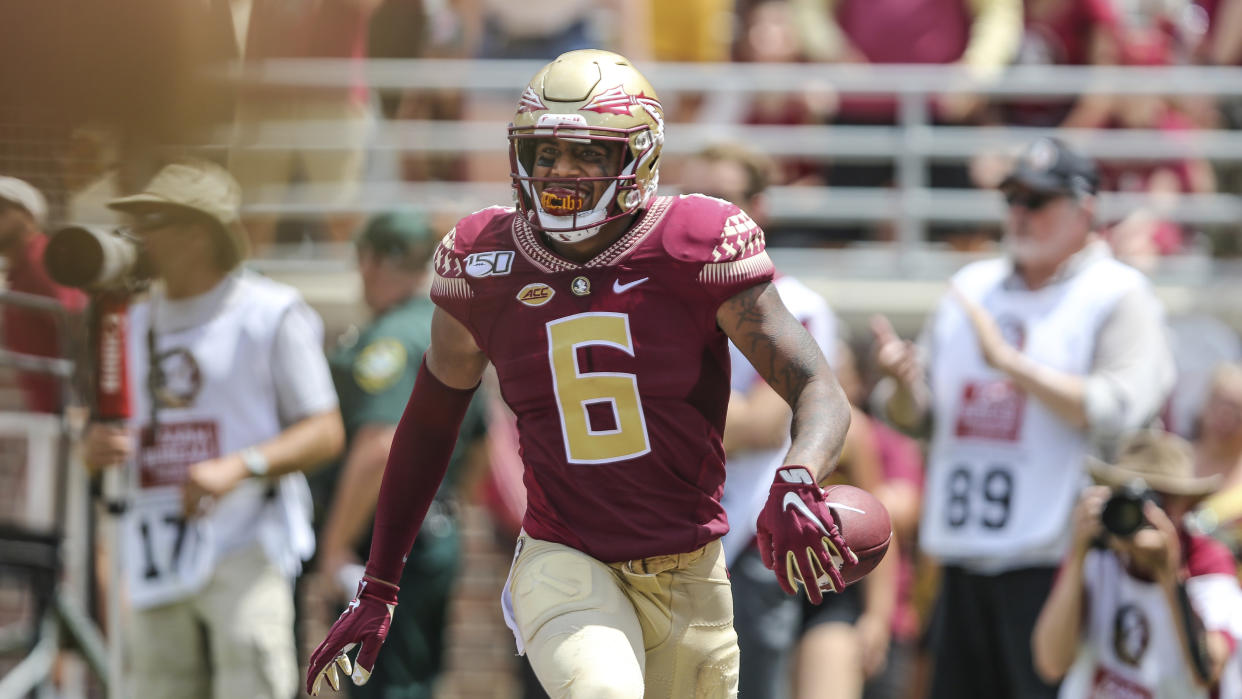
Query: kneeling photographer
{"type": "Point", "coordinates": [1141, 607]}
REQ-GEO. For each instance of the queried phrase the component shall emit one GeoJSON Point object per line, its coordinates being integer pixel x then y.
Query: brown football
{"type": "Point", "coordinates": [865, 526]}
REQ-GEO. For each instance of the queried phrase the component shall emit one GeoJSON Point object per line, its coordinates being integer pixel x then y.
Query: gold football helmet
{"type": "Point", "coordinates": [587, 95]}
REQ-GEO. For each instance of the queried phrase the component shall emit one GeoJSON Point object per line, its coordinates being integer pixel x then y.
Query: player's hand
{"type": "Point", "coordinates": [798, 536]}
{"type": "Point", "coordinates": [211, 479]}
{"type": "Point", "coordinates": [364, 623]}
{"type": "Point", "coordinates": [106, 445]}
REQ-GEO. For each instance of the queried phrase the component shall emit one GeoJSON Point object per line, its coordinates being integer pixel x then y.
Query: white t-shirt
{"type": "Point", "coordinates": [234, 367]}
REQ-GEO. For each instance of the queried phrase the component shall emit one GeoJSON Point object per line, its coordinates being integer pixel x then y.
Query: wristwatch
{"type": "Point", "coordinates": [255, 462]}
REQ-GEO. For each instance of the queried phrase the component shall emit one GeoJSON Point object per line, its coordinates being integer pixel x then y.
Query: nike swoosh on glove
{"type": "Point", "coordinates": [798, 535]}
{"type": "Point", "coordinates": [364, 623]}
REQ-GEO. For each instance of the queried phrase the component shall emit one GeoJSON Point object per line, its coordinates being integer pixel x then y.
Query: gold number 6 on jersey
{"type": "Point", "coordinates": [576, 391]}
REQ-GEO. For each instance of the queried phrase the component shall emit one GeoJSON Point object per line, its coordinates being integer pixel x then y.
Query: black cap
{"type": "Point", "coordinates": [1049, 165]}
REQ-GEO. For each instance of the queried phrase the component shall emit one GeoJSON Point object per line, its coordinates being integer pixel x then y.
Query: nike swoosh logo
{"type": "Point", "coordinates": [839, 506]}
{"type": "Point", "coordinates": [792, 499]}
{"type": "Point", "coordinates": [619, 288]}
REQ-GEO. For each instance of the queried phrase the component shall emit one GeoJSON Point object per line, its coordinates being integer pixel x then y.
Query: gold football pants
{"type": "Point", "coordinates": [654, 627]}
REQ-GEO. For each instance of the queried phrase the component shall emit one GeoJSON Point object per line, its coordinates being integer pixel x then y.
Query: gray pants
{"type": "Point", "coordinates": [768, 624]}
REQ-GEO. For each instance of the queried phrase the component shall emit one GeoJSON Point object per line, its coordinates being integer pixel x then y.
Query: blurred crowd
{"type": "Point", "coordinates": [129, 87]}
{"type": "Point", "coordinates": [133, 90]}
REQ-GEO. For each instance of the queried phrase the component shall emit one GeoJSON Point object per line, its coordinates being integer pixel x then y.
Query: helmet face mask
{"type": "Point", "coordinates": [585, 97]}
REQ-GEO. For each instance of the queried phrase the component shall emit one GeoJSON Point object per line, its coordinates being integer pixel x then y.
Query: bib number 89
{"type": "Point", "coordinates": [987, 498]}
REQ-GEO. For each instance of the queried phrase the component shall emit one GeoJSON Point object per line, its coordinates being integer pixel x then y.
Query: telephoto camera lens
{"type": "Point", "coordinates": [89, 257]}
{"type": "Point", "coordinates": [1123, 513]}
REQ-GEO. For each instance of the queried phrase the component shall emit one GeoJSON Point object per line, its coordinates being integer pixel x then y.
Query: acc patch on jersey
{"type": "Point", "coordinates": [379, 365]}
{"type": "Point", "coordinates": [535, 294]}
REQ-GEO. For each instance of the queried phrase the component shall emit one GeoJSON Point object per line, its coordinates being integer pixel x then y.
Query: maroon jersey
{"type": "Point", "coordinates": [615, 368]}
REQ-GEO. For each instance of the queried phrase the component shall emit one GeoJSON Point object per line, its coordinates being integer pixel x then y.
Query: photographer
{"type": "Point", "coordinates": [23, 211]}
{"type": "Point", "coordinates": [1141, 607]}
{"type": "Point", "coordinates": [232, 399]}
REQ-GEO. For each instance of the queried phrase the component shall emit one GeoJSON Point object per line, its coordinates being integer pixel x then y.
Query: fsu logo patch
{"type": "Point", "coordinates": [535, 295]}
{"type": "Point", "coordinates": [1131, 634]}
{"type": "Point", "coordinates": [175, 379]}
{"type": "Point", "coordinates": [581, 286]}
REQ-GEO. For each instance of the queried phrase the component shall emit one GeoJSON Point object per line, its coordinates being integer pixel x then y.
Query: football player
{"type": "Point", "coordinates": [606, 311]}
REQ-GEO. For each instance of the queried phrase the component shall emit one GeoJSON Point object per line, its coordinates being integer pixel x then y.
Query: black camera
{"type": "Point", "coordinates": [90, 257]}
{"type": "Point", "coordinates": [1123, 512]}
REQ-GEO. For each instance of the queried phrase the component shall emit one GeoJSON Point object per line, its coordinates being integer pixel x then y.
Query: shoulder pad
{"type": "Point", "coordinates": [479, 228]}
{"type": "Point", "coordinates": [708, 230]}
{"type": "Point", "coordinates": [482, 226]}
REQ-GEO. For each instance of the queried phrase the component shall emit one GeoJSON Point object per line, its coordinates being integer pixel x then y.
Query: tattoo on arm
{"type": "Point", "coordinates": [787, 357]}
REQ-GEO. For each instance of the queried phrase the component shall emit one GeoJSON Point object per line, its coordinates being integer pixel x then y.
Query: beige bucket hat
{"type": "Point", "coordinates": [1164, 461]}
{"type": "Point", "coordinates": [202, 186]}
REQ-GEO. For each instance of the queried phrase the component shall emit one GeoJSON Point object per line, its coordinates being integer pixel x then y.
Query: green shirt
{"type": "Point", "coordinates": [374, 371]}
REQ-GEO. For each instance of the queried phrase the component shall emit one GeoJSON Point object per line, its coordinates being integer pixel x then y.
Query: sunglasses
{"type": "Point", "coordinates": [1030, 200]}
{"type": "Point", "coordinates": [152, 220]}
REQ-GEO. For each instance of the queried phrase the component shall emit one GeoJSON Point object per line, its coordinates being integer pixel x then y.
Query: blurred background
{"type": "Point", "coordinates": [890, 124]}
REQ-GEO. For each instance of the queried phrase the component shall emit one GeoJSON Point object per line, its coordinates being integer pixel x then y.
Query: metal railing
{"type": "Point", "coordinates": [36, 551]}
{"type": "Point", "coordinates": [911, 144]}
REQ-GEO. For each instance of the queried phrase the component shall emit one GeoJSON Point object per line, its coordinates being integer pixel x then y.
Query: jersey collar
{"type": "Point", "coordinates": [528, 242]}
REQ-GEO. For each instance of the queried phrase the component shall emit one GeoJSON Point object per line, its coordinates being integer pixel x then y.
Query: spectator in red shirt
{"type": "Point", "coordinates": [1068, 33]}
{"type": "Point", "coordinates": [981, 36]}
{"type": "Point", "coordinates": [22, 213]}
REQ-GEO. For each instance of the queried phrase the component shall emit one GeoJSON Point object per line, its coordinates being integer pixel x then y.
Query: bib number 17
{"type": "Point", "coordinates": [577, 391]}
{"type": "Point", "coordinates": [171, 543]}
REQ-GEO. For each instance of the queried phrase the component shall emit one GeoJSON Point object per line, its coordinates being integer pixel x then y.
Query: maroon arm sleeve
{"type": "Point", "coordinates": [417, 462]}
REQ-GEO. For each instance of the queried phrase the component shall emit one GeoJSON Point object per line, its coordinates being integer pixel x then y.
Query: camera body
{"type": "Point", "coordinates": [1123, 512]}
{"type": "Point", "coordinates": [96, 258]}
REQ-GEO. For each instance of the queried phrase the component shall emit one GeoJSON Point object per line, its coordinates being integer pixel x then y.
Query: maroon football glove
{"type": "Point", "coordinates": [798, 536]}
{"type": "Point", "coordinates": [365, 621]}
